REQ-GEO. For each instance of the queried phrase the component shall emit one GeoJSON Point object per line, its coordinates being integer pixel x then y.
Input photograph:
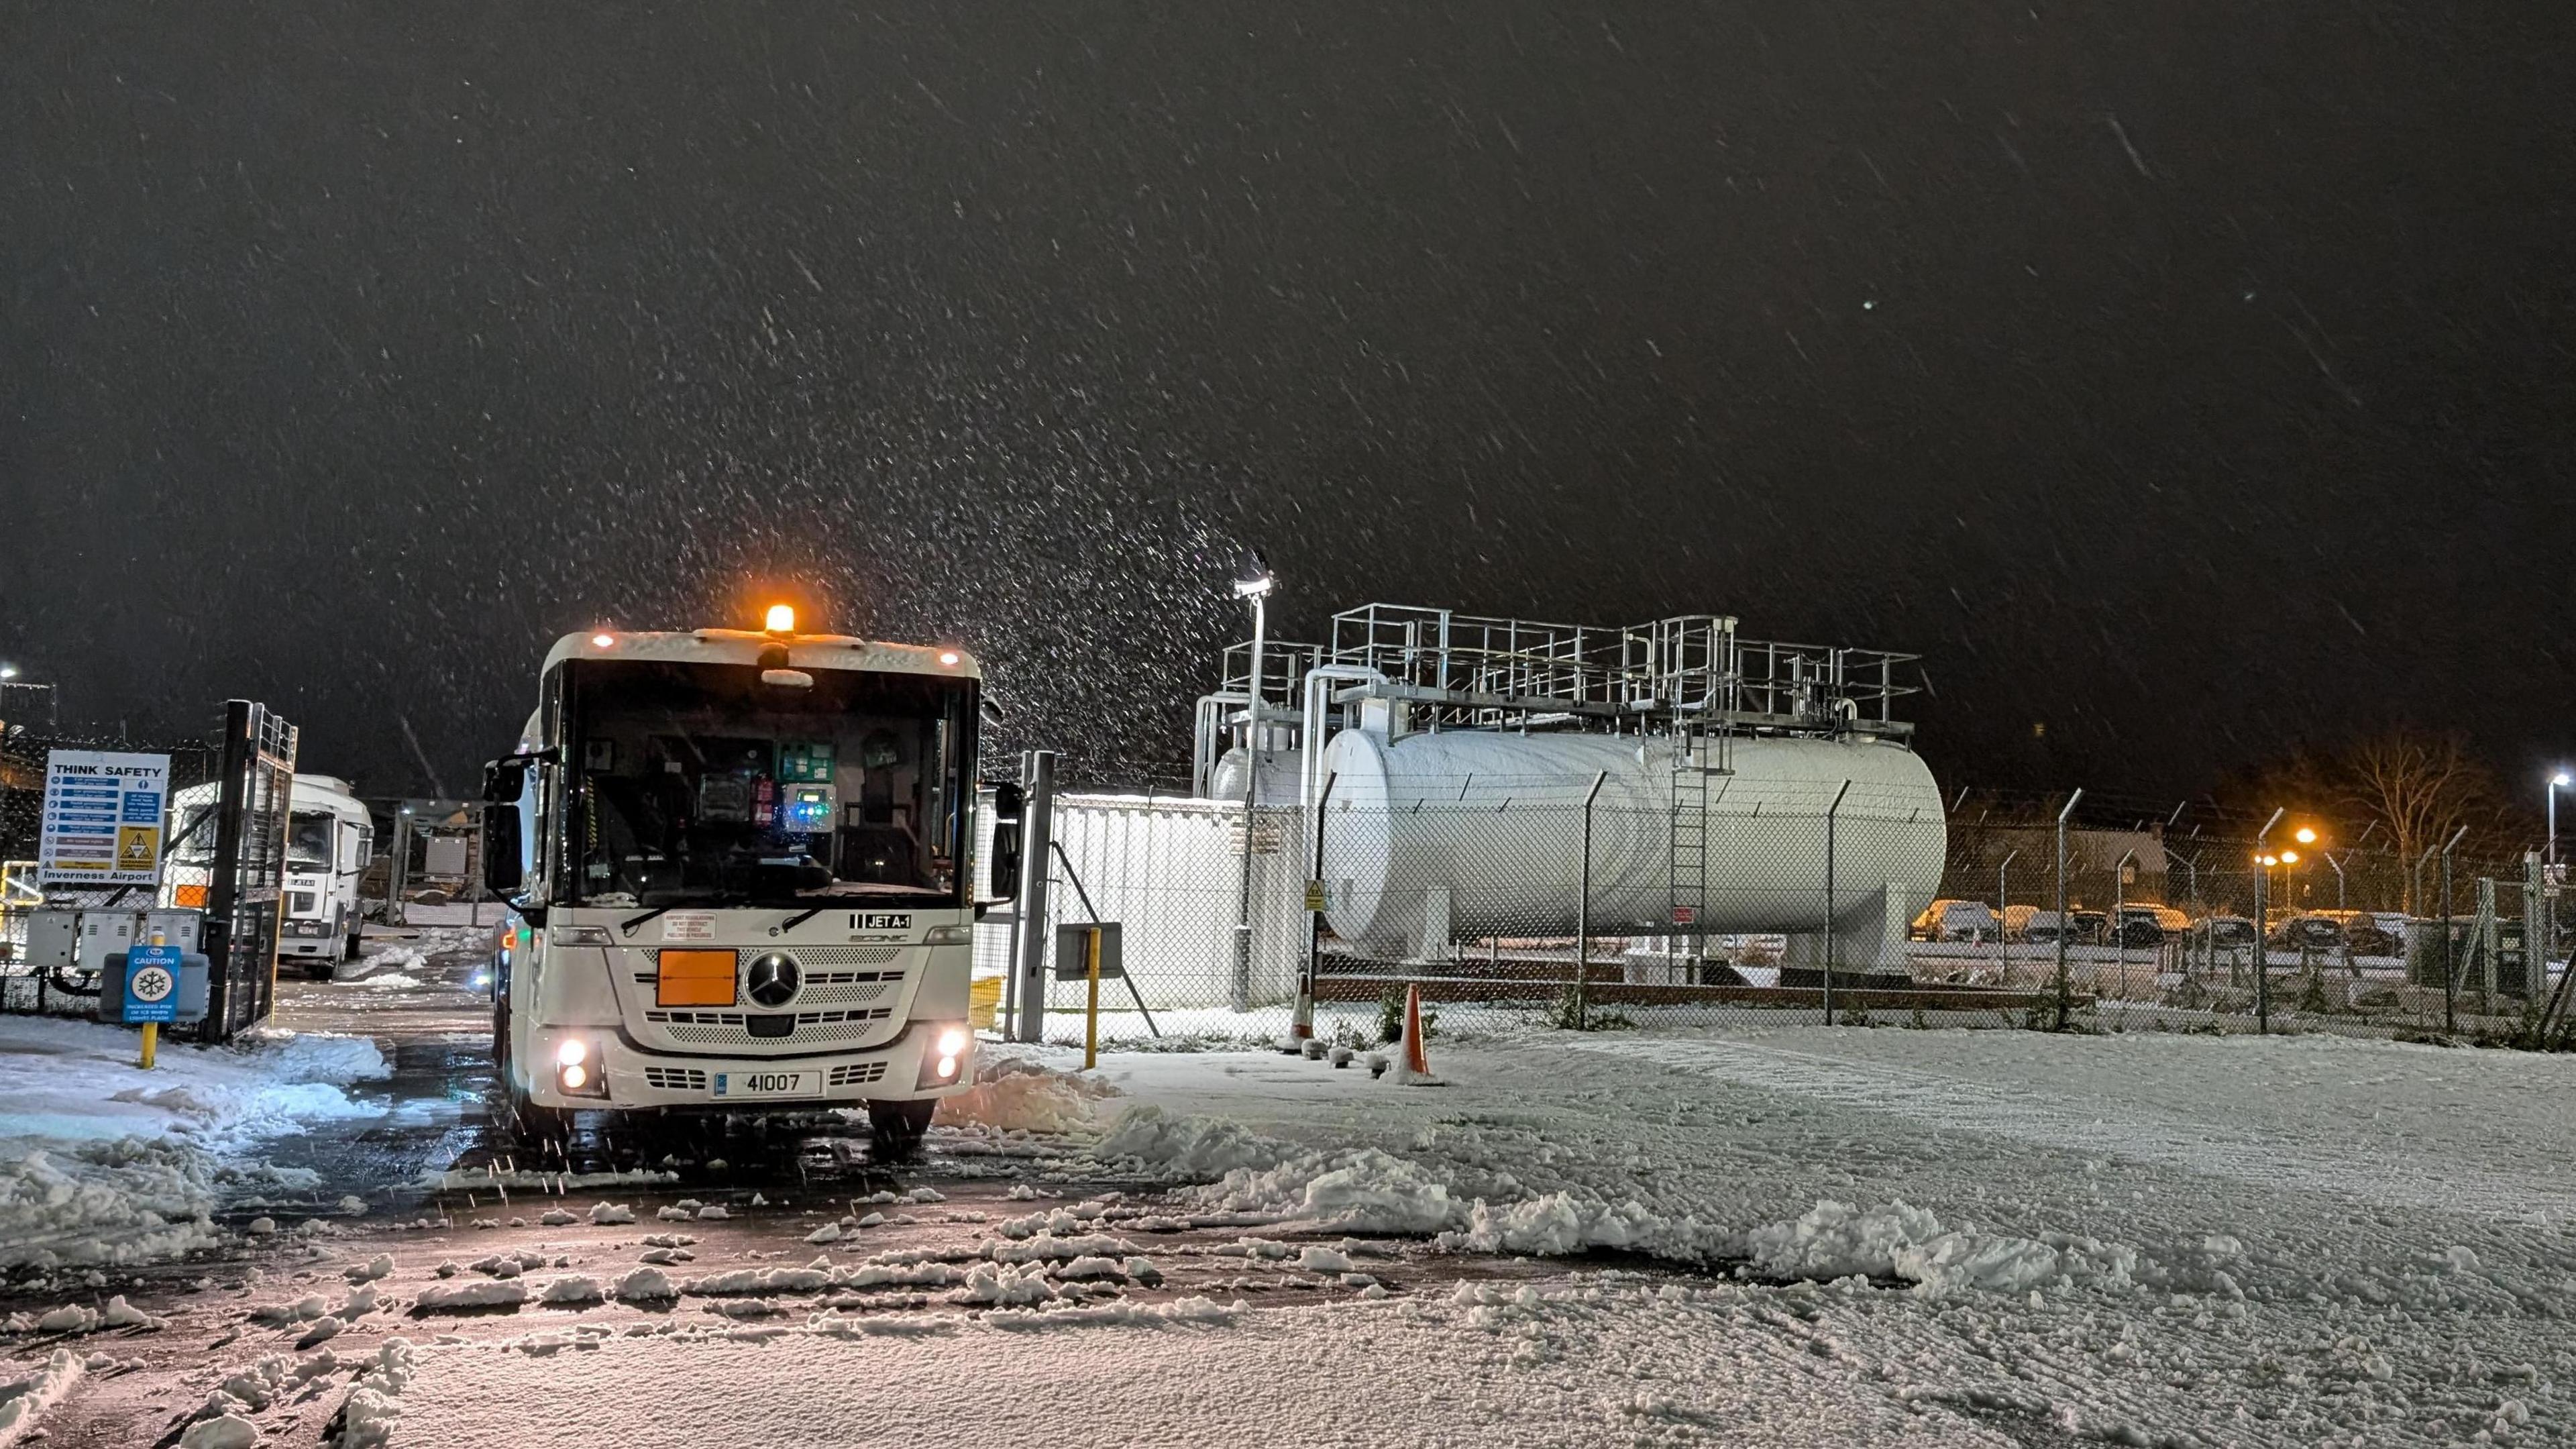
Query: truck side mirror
{"type": "Point", "coordinates": [501, 873]}
{"type": "Point", "coordinates": [504, 781]}
{"type": "Point", "coordinates": [1009, 803]}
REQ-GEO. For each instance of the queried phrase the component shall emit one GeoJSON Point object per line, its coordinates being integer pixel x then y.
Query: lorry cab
{"type": "Point", "coordinates": [329, 840]}
{"type": "Point", "coordinates": [739, 876]}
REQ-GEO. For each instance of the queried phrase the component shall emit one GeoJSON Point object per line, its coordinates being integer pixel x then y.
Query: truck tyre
{"type": "Point", "coordinates": [898, 1127]}
{"type": "Point", "coordinates": [353, 952]}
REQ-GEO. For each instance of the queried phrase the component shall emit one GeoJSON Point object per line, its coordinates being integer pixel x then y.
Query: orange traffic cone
{"type": "Point", "coordinates": [1301, 1027]}
{"type": "Point", "coordinates": [1417, 1064]}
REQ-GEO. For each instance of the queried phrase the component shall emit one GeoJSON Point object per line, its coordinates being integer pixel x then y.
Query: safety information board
{"type": "Point", "coordinates": [152, 984]}
{"type": "Point", "coordinates": [102, 818]}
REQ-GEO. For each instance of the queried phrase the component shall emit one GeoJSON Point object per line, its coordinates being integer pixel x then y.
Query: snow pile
{"type": "Point", "coordinates": [367, 1415]}
{"type": "Point", "coordinates": [24, 1402]}
{"type": "Point", "coordinates": [1023, 1096]}
{"type": "Point", "coordinates": [481, 1293]}
{"type": "Point", "coordinates": [1372, 1191]}
{"type": "Point", "coordinates": [1193, 1309]}
{"type": "Point", "coordinates": [1187, 1148]}
{"type": "Point", "coordinates": [1559, 1224]}
{"type": "Point", "coordinates": [103, 1162]}
{"type": "Point", "coordinates": [832, 1323]}
{"type": "Point", "coordinates": [572, 1289]}
{"type": "Point", "coordinates": [224, 1431]}
{"type": "Point", "coordinates": [121, 1201]}
{"type": "Point", "coordinates": [609, 1214]}
{"type": "Point", "coordinates": [646, 1285]}
{"type": "Point", "coordinates": [1005, 1284]}
{"type": "Point", "coordinates": [1897, 1240]}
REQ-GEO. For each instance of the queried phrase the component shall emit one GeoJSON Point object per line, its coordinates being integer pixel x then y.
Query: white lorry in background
{"type": "Point", "coordinates": [737, 866]}
{"type": "Point", "coordinates": [330, 839]}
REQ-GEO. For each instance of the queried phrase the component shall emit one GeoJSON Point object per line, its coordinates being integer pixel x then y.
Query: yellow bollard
{"type": "Point", "coordinates": [152, 1029]}
{"type": "Point", "coordinates": [1091, 1021]}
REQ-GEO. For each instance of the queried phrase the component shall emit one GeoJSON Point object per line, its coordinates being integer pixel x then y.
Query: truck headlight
{"type": "Point", "coordinates": [949, 936]}
{"type": "Point", "coordinates": [943, 1058]}
{"type": "Point", "coordinates": [579, 936]}
{"type": "Point", "coordinates": [576, 1075]}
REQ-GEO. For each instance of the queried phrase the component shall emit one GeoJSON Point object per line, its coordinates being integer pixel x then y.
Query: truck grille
{"type": "Point", "coordinates": [821, 987]}
{"type": "Point", "coordinates": [727, 1028]}
{"type": "Point", "coordinates": [675, 1079]}
{"type": "Point", "coordinates": [858, 1074]}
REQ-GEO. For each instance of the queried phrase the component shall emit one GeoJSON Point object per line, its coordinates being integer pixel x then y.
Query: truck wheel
{"type": "Point", "coordinates": [353, 951]}
{"type": "Point", "coordinates": [898, 1127]}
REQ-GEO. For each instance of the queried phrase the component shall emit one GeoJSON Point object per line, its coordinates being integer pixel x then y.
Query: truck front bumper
{"type": "Point", "coordinates": [620, 1076]}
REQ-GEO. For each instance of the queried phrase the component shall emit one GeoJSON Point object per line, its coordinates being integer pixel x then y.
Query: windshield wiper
{"type": "Point", "coordinates": [798, 919]}
{"type": "Point", "coordinates": [627, 928]}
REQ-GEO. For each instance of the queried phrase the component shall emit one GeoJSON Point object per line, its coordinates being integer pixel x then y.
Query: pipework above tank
{"type": "Point", "coordinates": [1400, 669]}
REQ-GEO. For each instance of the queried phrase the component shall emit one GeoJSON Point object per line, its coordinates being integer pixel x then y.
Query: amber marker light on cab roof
{"type": "Point", "coordinates": [603, 641]}
{"type": "Point", "coordinates": [949, 657]}
{"type": "Point", "coordinates": [781, 619]}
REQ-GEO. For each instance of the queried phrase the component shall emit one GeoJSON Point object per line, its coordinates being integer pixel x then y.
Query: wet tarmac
{"type": "Point", "coordinates": [433, 1191]}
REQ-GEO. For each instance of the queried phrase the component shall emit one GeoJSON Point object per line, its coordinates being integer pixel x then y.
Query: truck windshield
{"type": "Point", "coordinates": [697, 784]}
{"type": "Point", "coordinates": [308, 840]}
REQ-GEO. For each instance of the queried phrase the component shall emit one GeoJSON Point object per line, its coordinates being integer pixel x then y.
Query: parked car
{"type": "Point", "coordinates": [1950, 920]}
{"type": "Point", "coordinates": [2309, 931]}
{"type": "Point", "coordinates": [2081, 928]}
{"type": "Point", "coordinates": [2149, 926]}
{"type": "Point", "coordinates": [2017, 922]}
{"type": "Point", "coordinates": [2364, 935]}
{"type": "Point", "coordinates": [2223, 933]}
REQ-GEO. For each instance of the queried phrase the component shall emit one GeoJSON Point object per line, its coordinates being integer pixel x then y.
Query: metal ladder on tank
{"type": "Point", "coordinates": [1698, 752]}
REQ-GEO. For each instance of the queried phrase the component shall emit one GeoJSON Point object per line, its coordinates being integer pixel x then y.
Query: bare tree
{"type": "Point", "coordinates": [2419, 787]}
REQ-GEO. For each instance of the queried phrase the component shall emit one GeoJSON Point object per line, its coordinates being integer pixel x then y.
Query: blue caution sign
{"type": "Point", "coordinates": [152, 984]}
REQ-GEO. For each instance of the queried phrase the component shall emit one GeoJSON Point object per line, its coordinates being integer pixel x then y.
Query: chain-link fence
{"type": "Point", "coordinates": [224, 851]}
{"type": "Point", "coordinates": [2165, 929]}
{"type": "Point", "coordinates": [1560, 900]}
{"type": "Point", "coordinates": [23, 756]}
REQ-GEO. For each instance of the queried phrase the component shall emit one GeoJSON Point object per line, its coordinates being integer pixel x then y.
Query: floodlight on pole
{"type": "Point", "coordinates": [2557, 782]}
{"type": "Point", "coordinates": [1252, 584]}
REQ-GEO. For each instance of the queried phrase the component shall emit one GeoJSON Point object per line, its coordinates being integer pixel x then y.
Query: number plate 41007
{"type": "Point", "coordinates": [769, 1084]}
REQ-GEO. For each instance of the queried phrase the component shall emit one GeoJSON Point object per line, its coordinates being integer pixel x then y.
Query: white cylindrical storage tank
{"type": "Point", "coordinates": [1280, 776]}
{"type": "Point", "coordinates": [1479, 832]}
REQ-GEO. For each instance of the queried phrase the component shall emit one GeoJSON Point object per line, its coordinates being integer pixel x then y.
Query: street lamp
{"type": "Point", "coordinates": [1252, 584]}
{"type": "Point", "coordinates": [53, 698]}
{"type": "Point", "coordinates": [2557, 782]}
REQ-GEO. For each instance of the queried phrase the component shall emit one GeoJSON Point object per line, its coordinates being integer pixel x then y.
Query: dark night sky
{"type": "Point", "coordinates": [2185, 375]}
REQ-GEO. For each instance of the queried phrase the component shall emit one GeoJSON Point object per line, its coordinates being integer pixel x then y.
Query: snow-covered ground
{"type": "Point", "coordinates": [1815, 1236]}
{"type": "Point", "coordinates": [103, 1162]}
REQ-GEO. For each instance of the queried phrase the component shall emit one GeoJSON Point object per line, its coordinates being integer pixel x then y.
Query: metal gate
{"type": "Point", "coordinates": [246, 886]}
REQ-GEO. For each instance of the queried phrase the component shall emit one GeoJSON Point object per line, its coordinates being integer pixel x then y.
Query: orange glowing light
{"type": "Point", "coordinates": [782, 619]}
{"type": "Point", "coordinates": [948, 657]}
{"type": "Point", "coordinates": [603, 641]}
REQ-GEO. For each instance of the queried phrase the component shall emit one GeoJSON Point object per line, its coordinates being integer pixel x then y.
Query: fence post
{"type": "Point", "coordinates": [1315, 916]}
{"type": "Point", "coordinates": [2262, 941]}
{"type": "Point", "coordinates": [1831, 812]}
{"type": "Point", "coordinates": [2450, 977]}
{"type": "Point", "coordinates": [2003, 898]}
{"type": "Point", "coordinates": [2062, 922]}
{"type": "Point", "coordinates": [1583, 910]}
{"type": "Point", "coordinates": [1037, 833]}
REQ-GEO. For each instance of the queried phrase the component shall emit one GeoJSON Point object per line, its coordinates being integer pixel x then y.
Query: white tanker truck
{"type": "Point", "coordinates": [740, 879]}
